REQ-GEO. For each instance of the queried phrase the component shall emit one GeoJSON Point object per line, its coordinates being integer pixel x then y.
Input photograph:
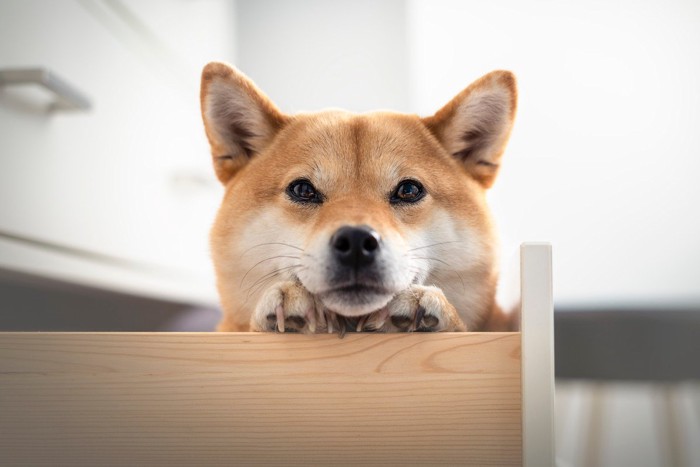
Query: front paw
{"type": "Point", "coordinates": [289, 307]}
{"type": "Point", "coordinates": [418, 308]}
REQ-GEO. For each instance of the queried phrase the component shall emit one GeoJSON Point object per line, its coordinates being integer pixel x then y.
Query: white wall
{"type": "Point", "coordinates": [315, 54]}
{"type": "Point", "coordinates": [606, 147]}
{"type": "Point", "coordinates": [605, 154]}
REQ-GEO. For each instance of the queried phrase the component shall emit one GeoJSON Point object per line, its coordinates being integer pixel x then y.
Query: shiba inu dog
{"type": "Point", "coordinates": [334, 221]}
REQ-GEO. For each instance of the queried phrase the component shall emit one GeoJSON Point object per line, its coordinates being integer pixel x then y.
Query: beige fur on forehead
{"type": "Point", "coordinates": [339, 147]}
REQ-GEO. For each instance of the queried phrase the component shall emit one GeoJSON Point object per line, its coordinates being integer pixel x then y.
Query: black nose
{"type": "Point", "coordinates": [355, 246]}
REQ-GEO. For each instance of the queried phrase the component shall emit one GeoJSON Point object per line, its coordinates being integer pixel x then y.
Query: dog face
{"type": "Point", "coordinates": [355, 207]}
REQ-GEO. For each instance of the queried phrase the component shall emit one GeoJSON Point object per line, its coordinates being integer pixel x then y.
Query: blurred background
{"type": "Point", "coordinates": [107, 194]}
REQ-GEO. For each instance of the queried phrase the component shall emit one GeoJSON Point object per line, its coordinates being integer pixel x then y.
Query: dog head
{"type": "Point", "coordinates": [357, 207]}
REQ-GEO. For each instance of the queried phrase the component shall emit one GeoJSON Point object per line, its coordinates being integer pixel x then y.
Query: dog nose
{"type": "Point", "coordinates": [355, 246]}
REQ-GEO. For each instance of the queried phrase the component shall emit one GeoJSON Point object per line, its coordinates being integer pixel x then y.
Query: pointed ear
{"type": "Point", "coordinates": [474, 126]}
{"type": "Point", "coordinates": [240, 121]}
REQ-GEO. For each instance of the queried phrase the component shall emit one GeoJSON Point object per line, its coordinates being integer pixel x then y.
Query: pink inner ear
{"type": "Point", "coordinates": [239, 118]}
{"type": "Point", "coordinates": [474, 127]}
{"type": "Point", "coordinates": [480, 126]}
{"type": "Point", "coordinates": [475, 140]}
{"type": "Point", "coordinates": [233, 116]}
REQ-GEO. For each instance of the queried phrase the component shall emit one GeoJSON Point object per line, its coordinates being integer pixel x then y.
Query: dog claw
{"type": "Point", "coordinates": [361, 323]}
{"type": "Point", "coordinates": [311, 319]}
{"type": "Point", "coordinates": [423, 309]}
{"type": "Point", "coordinates": [279, 311]}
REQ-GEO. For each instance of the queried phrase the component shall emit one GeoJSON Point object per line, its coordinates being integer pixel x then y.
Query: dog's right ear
{"type": "Point", "coordinates": [240, 121]}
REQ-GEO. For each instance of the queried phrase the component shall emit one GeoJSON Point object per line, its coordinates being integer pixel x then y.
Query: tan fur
{"type": "Point", "coordinates": [355, 161]}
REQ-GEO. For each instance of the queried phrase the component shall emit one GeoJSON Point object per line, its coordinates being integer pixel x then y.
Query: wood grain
{"type": "Point", "coordinates": [260, 399]}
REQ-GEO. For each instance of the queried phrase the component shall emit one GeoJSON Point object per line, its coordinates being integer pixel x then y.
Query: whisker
{"type": "Point", "coordinates": [261, 285]}
{"type": "Point", "coordinates": [260, 262]}
{"type": "Point", "coordinates": [264, 283]}
{"type": "Point", "coordinates": [417, 273]}
{"type": "Point", "coordinates": [431, 259]}
{"type": "Point", "coordinates": [416, 268]}
{"type": "Point", "coordinates": [461, 279]}
{"type": "Point", "coordinates": [453, 287]}
{"type": "Point", "coordinates": [451, 268]}
{"type": "Point", "coordinates": [270, 273]}
{"type": "Point", "coordinates": [434, 244]}
{"type": "Point", "coordinates": [271, 243]}
{"type": "Point", "coordinates": [309, 255]}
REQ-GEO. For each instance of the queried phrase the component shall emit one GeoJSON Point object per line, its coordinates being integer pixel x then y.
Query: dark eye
{"type": "Point", "coordinates": [408, 191]}
{"type": "Point", "coordinates": [303, 191]}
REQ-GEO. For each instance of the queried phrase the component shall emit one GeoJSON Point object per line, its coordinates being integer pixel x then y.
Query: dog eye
{"type": "Point", "coordinates": [408, 191]}
{"type": "Point", "coordinates": [303, 191]}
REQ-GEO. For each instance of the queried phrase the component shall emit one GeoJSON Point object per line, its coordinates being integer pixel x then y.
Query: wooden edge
{"type": "Point", "coordinates": [260, 399]}
{"type": "Point", "coordinates": [262, 336]}
{"type": "Point", "coordinates": [537, 340]}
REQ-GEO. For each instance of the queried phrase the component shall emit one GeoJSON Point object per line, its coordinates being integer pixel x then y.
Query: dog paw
{"type": "Point", "coordinates": [419, 308]}
{"type": "Point", "coordinates": [289, 307]}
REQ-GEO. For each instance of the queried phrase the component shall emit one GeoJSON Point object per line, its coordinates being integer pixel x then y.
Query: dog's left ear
{"type": "Point", "coordinates": [474, 126]}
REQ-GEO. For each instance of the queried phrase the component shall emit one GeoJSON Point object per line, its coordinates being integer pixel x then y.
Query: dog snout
{"type": "Point", "coordinates": [355, 246]}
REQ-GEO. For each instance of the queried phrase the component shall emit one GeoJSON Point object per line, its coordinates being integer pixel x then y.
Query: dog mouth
{"type": "Point", "coordinates": [355, 299]}
{"type": "Point", "coordinates": [357, 289]}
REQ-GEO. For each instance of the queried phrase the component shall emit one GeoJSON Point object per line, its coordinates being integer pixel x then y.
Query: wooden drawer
{"type": "Point", "coordinates": [286, 399]}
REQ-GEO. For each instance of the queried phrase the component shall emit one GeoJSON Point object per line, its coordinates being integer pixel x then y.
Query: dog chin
{"type": "Point", "coordinates": [355, 301]}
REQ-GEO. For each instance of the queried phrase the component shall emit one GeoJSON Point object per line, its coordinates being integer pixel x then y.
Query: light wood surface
{"type": "Point", "coordinates": [247, 399]}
